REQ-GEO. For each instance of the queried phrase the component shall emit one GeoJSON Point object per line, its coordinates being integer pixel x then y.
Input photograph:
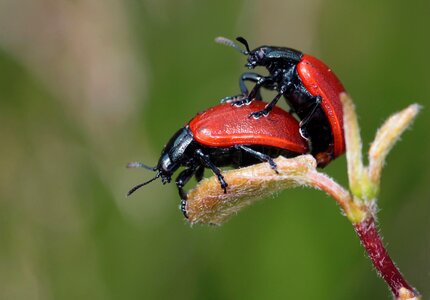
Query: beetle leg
{"type": "Point", "coordinates": [245, 96]}
{"type": "Point", "coordinates": [261, 156]}
{"type": "Point", "coordinates": [235, 99]}
{"type": "Point", "coordinates": [267, 109]}
{"type": "Point", "coordinates": [199, 173]}
{"type": "Point", "coordinates": [183, 207]}
{"type": "Point", "coordinates": [208, 163]}
{"type": "Point", "coordinates": [181, 181]}
{"type": "Point", "coordinates": [261, 81]}
{"type": "Point", "coordinates": [316, 103]}
{"type": "Point", "coordinates": [243, 100]}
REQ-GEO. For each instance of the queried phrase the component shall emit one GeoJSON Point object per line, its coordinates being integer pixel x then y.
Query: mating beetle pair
{"type": "Point", "coordinates": [310, 88]}
{"type": "Point", "coordinates": [225, 135]}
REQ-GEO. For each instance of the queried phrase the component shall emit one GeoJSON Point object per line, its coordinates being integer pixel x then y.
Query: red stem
{"type": "Point", "coordinates": [386, 268]}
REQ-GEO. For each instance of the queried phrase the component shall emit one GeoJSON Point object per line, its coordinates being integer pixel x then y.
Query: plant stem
{"type": "Point", "coordinates": [371, 241]}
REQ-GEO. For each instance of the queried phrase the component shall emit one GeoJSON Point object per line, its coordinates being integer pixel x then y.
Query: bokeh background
{"type": "Point", "coordinates": [87, 86]}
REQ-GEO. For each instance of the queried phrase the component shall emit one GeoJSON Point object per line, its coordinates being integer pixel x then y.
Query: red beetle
{"type": "Point", "coordinates": [224, 136]}
{"type": "Point", "coordinates": [311, 89]}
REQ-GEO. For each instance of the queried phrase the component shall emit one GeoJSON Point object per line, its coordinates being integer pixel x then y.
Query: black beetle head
{"type": "Point", "coordinates": [172, 157]}
{"type": "Point", "coordinates": [166, 167]}
{"type": "Point", "coordinates": [163, 170]}
{"type": "Point", "coordinates": [256, 57]}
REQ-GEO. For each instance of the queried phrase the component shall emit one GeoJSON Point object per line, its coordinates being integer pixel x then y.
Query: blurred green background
{"type": "Point", "coordinates": [87, 86]}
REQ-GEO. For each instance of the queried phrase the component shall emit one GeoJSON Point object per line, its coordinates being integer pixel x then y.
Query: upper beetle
{"type": "Point", "coordinates": [310, 87]}
{"type": "Point", "coordinates": [224, 136]}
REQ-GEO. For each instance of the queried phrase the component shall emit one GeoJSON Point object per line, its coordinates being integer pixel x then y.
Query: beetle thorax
{"type": "Point", "coordinates": [175, 153]}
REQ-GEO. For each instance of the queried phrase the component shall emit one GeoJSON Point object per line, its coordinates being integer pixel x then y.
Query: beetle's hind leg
{"type": "Point", "coordinates": [261, 156]}
{"type": "Point", "coordinates": [313, 108]}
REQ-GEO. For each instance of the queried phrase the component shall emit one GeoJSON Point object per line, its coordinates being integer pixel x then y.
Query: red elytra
{"type": "Point", "coordinates": [226, 125]}
{"type": "Point", "coordinates": [319, 80]}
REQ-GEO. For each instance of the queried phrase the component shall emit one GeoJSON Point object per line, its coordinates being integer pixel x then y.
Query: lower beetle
{"type": "Point", "coordinates": [224, 136]}
{"type": "Point", "coordinates": [309, 86]}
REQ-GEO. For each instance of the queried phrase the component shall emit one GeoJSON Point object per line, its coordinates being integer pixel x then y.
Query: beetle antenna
{"type": "Point", "coordinates": [136, 164]}
{"type": "Point", "coordinates": [230, 43]}
{"type": "Point", "coordinates": [135, 188]}
{"type": "Point", "coordinates": [243, 41]}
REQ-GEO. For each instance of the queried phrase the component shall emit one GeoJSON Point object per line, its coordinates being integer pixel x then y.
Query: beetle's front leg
{"type": "Point", "coordinates": [269, 107]}
{"type": "Point", "coordinates": [267, 82]}
{"type": "Point", "coordinates": [181, 181]}
{"type": "Point", "coordinates": [245, 98]}
{"type": "Point", "coordinates": [248, 76]}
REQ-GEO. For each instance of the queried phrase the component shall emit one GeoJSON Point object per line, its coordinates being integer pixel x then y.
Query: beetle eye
{"type": "Point", "coordinates": [260, 54]}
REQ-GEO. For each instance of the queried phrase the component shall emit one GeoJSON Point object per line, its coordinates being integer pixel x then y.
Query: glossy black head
{"type": "Point", "coordinates": [172, 157]}
{"type": "Point", "coordinates": [258, 57]}
{"type": "Point", "coordinates": [264, 55]}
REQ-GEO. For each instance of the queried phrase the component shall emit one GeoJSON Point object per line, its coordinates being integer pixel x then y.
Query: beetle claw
{"type": "Point", "coordinates": [235, 99]}
{"type": "Point", "coordinates": [224, 186]}
{"type": "Point", "coordinates": [258, 114]}
{"type": "Point", "coordinates": [273, 166]}
{"type": "Point", "coordinates": [241, 102]}
{"type": "Point", "coordinates": [183, 207]}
